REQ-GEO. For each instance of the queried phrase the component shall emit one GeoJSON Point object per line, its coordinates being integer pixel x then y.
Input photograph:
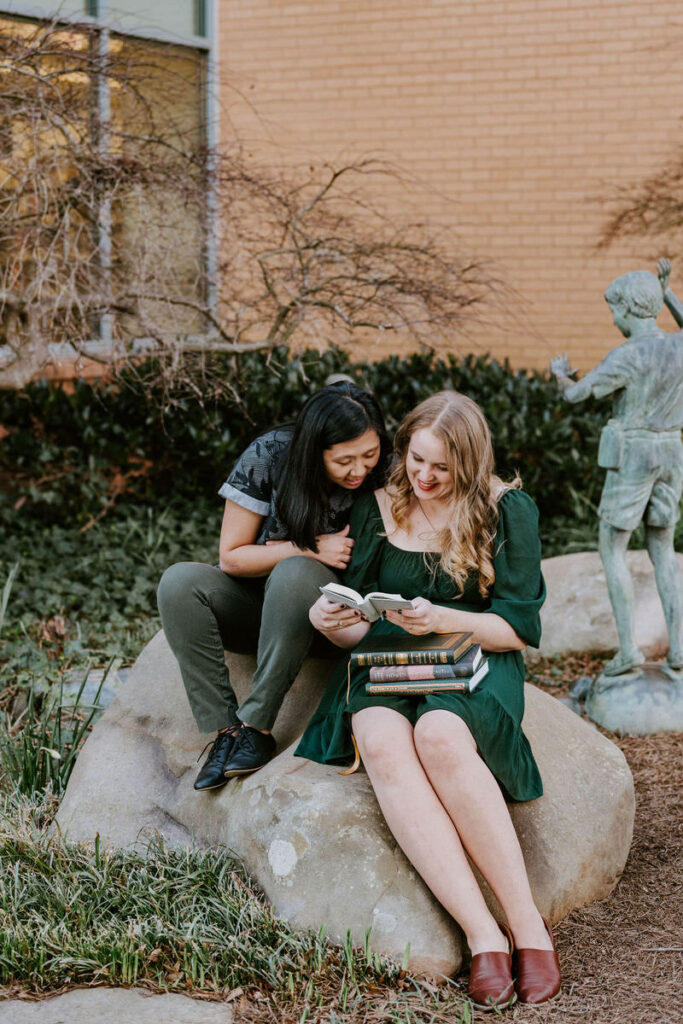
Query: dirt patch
{"type": "Point", "coordinates": [622, 958]}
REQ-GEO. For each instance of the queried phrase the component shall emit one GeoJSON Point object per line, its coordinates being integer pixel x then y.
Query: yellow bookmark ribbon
{"type": "Point", "coordinates": [356, 763]}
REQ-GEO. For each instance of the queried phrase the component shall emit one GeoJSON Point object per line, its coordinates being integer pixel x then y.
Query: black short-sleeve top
{"type": "Point", "coordinates": [252, 484]}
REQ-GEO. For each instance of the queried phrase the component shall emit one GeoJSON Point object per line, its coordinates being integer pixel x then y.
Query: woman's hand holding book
{"type": "Point", "coordinates": [326, 616]}
{"type": "Point", "coordinates": [423, 617]}
{"type": "Point", "coordinates": [345, 627]}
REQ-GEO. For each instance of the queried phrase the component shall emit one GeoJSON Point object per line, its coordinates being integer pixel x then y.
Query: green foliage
{"type": "Point", "coordinates": [38, 753]}
{"type": "Point", "coordinates": [102, 488]}
{"type": "Point", "coordinates": [38, 749]}
{"type": "Point", "coordinates": [102, 582]}
{"type": "Point", "coordinates": [6, 591]}
{"type": "Point", "coordinates": [179, 920]}
{"type": "Point", "coordinates": [70, 456]}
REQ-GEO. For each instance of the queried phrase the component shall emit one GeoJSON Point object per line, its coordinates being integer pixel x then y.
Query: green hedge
{"type": "Point", "coordinates": [66, 454]}
{"type": "Point", "coordinates": [74, 460]}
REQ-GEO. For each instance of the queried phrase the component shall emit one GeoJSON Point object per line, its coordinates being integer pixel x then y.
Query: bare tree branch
{"type": "Point", "coordinates": [305, 258]}
{"type": "Point", "coordinates": [652, 208]}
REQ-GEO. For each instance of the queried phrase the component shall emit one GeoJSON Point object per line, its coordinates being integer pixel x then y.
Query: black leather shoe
{"type": "Point", "coordinates": [211, 775]}
{"type": "Point", "coordinates": [251, 751]}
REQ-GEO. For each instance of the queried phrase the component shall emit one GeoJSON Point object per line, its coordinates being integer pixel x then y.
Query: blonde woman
{"type": "Point", "coordinates": [449, 534]}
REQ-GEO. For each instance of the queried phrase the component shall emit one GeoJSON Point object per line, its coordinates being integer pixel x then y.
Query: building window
{"type": "Point", "coordinates": [103, 141]}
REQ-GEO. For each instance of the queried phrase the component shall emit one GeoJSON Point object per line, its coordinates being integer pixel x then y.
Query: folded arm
{"type": "Point", "coordinates": [240, 555]}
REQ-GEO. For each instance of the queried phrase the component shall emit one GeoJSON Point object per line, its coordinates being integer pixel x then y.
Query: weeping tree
{"type": "Point", "coordinates": [121, 231]}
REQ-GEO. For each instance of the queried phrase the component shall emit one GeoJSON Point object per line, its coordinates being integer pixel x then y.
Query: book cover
{"type": "Point", "coordinates": [430, 649]}
{"type": "Point", "coordinates": [415, 687]}
{"type": "Point", "coordinates": [465, 666]}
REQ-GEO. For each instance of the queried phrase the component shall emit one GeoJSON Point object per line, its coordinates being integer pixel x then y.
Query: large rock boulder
{"type": "Point", "coordinates": [316, 841]}
{"type": "Point", "coordinates": [577, 615]}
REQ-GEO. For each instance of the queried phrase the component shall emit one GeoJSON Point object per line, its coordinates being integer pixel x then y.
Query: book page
{"type": "Point", "coordinates": [388, 602]}
{"type": "Point", "coordinates": [339, 594]}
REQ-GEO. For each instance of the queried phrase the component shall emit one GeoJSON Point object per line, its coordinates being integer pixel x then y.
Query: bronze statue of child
{"type": "Point", "coordinates": [641, 449]}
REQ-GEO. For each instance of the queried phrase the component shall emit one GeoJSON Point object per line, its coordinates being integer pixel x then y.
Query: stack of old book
{"type": "Point", "coordinates": [435, 663]}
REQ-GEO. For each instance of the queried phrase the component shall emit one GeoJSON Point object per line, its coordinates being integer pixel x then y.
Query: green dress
{"type": "Point", "coordinates": [493, 713]}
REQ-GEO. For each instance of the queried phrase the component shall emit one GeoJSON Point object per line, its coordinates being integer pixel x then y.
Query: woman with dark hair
{"type": "Point", "coordinates": [463, 546]}
{"type": "Point", "coordinates": [285, 532]}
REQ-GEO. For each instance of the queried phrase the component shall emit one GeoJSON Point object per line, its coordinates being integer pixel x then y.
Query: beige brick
{"type": "Point", "coordinates": [521, 112]}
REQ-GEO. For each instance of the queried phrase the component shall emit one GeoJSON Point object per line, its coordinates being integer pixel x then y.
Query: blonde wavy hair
{"type": "Point", "coordinates": [466, 542]}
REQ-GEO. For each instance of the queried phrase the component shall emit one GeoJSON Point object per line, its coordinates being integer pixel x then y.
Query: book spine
{"type": "Point", "coordinates": [396, 673]}
{"type": "Point", "coordinates": [408, 688]}
{"type": "Point", "coordinates": [403, 658]}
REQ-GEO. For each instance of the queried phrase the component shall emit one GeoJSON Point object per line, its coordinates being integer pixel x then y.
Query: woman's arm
{"type": "Point", "coordinates": [492, 631]}
{"type": "Point", "coordinates": [240, 555]}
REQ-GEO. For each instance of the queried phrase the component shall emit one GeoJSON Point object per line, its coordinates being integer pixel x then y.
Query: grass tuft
{"type": "Point", "coordinates": [177, 920]}
{"type": "Point", "coordinates": [38, 750]}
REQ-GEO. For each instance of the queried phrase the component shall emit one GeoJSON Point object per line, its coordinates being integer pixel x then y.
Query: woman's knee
{"type": "Point", "coordinates": [443, 741]}
{"type": "Point", "coordinates": [179, 583]}
{"type": "Point", "coordinates": [297, 580]}
{"type": "Point", "coordinates": [384, 743]}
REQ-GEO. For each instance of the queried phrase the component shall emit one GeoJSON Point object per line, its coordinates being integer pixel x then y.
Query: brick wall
{"type": "Point", "coordinates": [514, 116]}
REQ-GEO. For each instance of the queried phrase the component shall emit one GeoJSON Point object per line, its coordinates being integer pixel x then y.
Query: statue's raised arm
{"type": "Point", "coordinates": [673, 304]}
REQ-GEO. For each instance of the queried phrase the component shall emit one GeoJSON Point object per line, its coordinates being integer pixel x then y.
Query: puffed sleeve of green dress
{"type": "Point", "coordinates": [519, 589]}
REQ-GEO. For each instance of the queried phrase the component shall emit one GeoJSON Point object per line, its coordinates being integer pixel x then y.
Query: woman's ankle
{"type": "Point", "coordinates": [488, 940]}
{"type": "Point", "coordinates": [531, 933]}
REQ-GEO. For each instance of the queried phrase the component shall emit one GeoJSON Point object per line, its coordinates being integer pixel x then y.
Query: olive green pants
{"type": "Point", "coordinates": [204, 612]}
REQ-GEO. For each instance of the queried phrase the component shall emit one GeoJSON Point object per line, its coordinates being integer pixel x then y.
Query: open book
{"type": "Point", "coordinates": [372, 605]}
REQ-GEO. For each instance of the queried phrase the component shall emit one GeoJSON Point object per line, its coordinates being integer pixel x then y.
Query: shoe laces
{"type": "Point", "coordinates": [245, 740]}
{"type": "Point", "coordinates": [217, 746]}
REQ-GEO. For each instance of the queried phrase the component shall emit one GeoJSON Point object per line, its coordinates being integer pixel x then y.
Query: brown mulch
{"type": "Point", "coordinates": [622, 958]}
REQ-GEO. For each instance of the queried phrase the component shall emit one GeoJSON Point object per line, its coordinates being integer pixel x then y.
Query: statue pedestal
{"type": "Point", "coordinates": [648, 699]}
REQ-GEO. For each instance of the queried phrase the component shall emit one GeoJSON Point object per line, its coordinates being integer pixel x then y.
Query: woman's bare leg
{"type": "Point", "coordinates": [421, 826]}
{"type": "Point", "coordinates": [474, 803]}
